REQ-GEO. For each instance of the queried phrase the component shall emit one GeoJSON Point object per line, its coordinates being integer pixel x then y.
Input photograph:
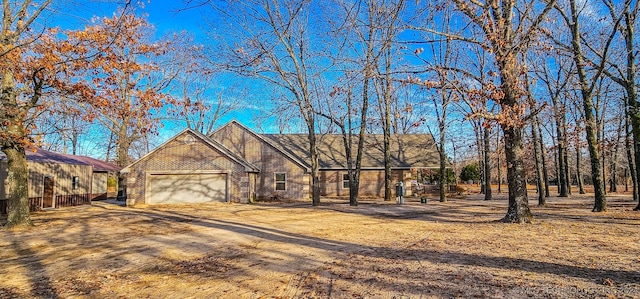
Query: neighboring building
{"type": "Point", "coordinates": [236, 164]}
{"type": "Point", "coordinates": [102, 171]}
{"type": "Point", "coordinates": [59, 180]}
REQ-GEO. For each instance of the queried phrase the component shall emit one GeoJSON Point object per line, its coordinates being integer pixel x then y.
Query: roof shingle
{"type": "Point", "coordinates": [407, 150]}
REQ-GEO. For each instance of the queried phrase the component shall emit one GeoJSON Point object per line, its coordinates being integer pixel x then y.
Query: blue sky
{"type": "Point", "coordinates": [170, 17]}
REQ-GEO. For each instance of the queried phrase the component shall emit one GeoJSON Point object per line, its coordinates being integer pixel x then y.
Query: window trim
{"type": "Point", "coordinates": [75, 182]}
{"type": "Point", "coordinates": [276, 181]}
{"type": "Point", "coordinates": [345, 181]}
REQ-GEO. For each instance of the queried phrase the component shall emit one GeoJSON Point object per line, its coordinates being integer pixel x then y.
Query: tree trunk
{"type": "Point", "coordinates": [613, 187]}
{"type": "Point", "coordinates": [579, 168]}
{"type": "Point", "coordinates": [315, 173]}
{"type": "Point", "coordinates": [122, 147]}
{"type": "Point", "coordinates": [442, 127]}
{"type": "Point", "coordinates": [18, 201]}
{"type": "Point", "coordinates": [536, 145]}
{"type": "Point", "coordinates": [543, 153]}
{"type": "Point", "coordinates": [442, 170]}
{"type": "Point", "coordinates": [536, 152]}
{"type": "Point", "coordinates": [518, 211]}
{"type": "Point", "coordinates": [481, 155]}
{"type": "Point", "coordinates": [630, 149]}
{"type": "Point", "coordinates": [17, 178]}
{"type": "Point", "coordinates": [387, 126]}
{"type": "Point", "coordinates": [600, 203]}
{"type": "Point", "coordinates": [486, 164]}
{"type": "Point", "coordinates": [561, 153]}
{"type": "Point", "coordinates": [566, 167]}
{"type": "Point", "coordinates": [499, 167]}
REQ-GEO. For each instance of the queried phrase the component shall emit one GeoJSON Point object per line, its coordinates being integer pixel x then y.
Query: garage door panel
{"type": "Point", "coordinates": [186, 188]}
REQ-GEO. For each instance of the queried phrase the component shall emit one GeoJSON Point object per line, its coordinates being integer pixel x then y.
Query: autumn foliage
{"type": "Point", "coordinates": [108, 70]}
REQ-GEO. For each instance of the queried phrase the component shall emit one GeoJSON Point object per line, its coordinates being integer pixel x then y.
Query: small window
{"type": "Point", "coordinates": [345, 181]}
{"type": "Point", "coordinates": [281, 181]}
{"type": "Point", "coordinates": [75, 182]}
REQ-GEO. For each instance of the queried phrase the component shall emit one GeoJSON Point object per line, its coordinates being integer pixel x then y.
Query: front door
{"type": "Point", "coordinates": [47, 194]}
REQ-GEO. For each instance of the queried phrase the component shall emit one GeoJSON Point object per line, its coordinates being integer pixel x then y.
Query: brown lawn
{"type": "Point", "coordinates": [293, 250]}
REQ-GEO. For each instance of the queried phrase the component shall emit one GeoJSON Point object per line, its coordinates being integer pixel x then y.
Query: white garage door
{"type": "Point", "coordinates": [186, 188]}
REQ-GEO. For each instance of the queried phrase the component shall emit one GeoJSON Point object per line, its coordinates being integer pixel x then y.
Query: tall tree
{"type": "Point", "coordinates": [35, 62]}
{"type": "Point", "coordinates": [384, 80]}
{"type": "Point", "coordinates": [273, 44]}
{"type": "Point", "coordinates": [587, 82]}
{"type": "Point", "coordinates": [21, 85]}
{"type": "Point", "coordinates": [537, 146]}
{"type": "Point", "coordinates": [624, 73]}
{"type": "Point", "coordinates": [554, 72]}
{"type": "Point", "coordinates": [508, 35]}
{"type": "Point", "coordinates": [131, 73]}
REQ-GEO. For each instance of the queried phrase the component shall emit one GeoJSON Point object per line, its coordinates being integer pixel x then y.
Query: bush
{"type": "Point", "coordinates": [471, 172]}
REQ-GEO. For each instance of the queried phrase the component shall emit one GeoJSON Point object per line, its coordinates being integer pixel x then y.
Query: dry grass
{"type": "Point", "coordinates": [293, 250]}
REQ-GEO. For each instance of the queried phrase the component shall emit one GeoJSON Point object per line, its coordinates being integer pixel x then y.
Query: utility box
{"type": "Point", "coordinates": [400, 192]}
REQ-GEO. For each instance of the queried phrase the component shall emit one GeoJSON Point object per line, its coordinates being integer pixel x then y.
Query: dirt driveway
{"type": "Point", "coordinates": [293, 250]}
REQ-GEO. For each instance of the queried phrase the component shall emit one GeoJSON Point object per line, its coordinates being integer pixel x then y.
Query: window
{"type": "Point", "coordinates": [345, 181]}
{"type": "Point", "coordinates": [281, 181]}
{"type": "Point", "coordinates": [75, 182]}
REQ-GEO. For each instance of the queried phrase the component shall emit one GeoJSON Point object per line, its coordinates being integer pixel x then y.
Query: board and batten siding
{"type": "Point", "coordinates": [269, 160]}
{"type": "Point", "coordinates": [178, 156]}
{"type": "Point", "coordinates": [62, 173]}
{"type": "Point", "coordinates": [99, 185]}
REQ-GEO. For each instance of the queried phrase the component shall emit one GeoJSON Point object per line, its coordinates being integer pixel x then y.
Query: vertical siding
{"type": "Point", "coordinates": [62, 173]}
{"type": "Point", "coordinates": [269, 160]}
{"type": "Point", "coordinates": [178, 155]}
{"type": "Point", "coordinates": [99, 186]}
{"type": "Point", "coordinates": [64, 194]}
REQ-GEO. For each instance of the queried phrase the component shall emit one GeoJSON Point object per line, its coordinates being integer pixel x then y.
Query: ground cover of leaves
{"type": "Point", "coordinates": [293, 250]}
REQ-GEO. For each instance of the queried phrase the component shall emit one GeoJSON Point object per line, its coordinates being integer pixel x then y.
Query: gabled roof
{"type": "Point", "coordinates": [268, 141]}
{"type": "Point", "coordinates": [45, 156]}
{"type": "Point", "coordinates": [248, 166]}
{"type": "Point", "coordinates": [407, 150]}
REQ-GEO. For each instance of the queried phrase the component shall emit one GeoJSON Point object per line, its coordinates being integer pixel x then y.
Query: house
{"type": "Point", "coordinates": [236, 164]}
{"type": "Point", "coordinates": [59, 180]}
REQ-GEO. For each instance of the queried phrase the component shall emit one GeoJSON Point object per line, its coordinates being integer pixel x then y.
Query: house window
{"type": "Point", "coordinates": [75, 182]}
{"type": "Point", "coordinates": [281, 181]}
{"type": "Point", "coordinates": [345, 181]}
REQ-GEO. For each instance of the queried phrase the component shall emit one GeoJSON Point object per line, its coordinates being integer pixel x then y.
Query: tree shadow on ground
{"type": "Point", "coordinates": [412, 254]}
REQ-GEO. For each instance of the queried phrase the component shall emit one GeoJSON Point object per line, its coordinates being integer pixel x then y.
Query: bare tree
{"type": "Point", "coordinates": [274, 45]}
{"type": "Point", "coordinates": [555, 81]}
{"type": "Point", "coordinates": [384, 81]}
{"type": "Point", "coordinates": [588, 81]}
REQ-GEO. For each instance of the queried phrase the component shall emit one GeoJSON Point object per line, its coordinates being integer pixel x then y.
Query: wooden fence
{"type": "Point", "coordinates": [35, 203]}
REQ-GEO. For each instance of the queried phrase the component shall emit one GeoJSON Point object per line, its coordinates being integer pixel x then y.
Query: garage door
{"type": "Point", "coordinates": [186, 188]}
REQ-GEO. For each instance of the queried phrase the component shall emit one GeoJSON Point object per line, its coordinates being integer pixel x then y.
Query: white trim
{"type": "Point", "coordinates": [342, 174]}
{"type": "Point", "coordinates": [275, 181]}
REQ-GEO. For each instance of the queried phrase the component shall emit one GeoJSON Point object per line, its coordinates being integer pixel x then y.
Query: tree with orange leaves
{"type": "Point", "coordinates": [129, 74]}
{"type": "Point", "coordinates": [25, 77]}
{"type": "Point", "coordinates": [107, 68]}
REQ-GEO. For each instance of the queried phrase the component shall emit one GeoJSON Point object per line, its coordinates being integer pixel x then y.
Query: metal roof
{"type": "Point", "coordinates": [39, 155]}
